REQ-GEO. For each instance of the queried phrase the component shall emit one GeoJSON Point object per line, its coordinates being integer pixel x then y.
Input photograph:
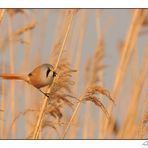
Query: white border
{"type": "Point", "coordinates": [73, 143]}
{"type": "Point", "coordinates": [73, 3]}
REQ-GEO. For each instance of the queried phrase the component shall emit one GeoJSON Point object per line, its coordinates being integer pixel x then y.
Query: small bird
{"type": "Point", "coordinates": [41, 76]}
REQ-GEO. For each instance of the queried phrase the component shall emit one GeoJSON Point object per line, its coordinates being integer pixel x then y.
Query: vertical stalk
{"type": "Point", "coordinates": [132, 36]}
{"type": "Point", "coordinates": [41, 114]}
{"type": "Point", "coordinates": [80, 41]}
{"type": "Point", "coordinates": [11, 56]}
{"type": "Point", "coordinates": [2, 12]}
{"type": "Point", "coordinates": [99, 38]}
{"type": "Point", "coordinates": [2, 135]}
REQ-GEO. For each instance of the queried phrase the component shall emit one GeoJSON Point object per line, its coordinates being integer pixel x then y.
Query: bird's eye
{"type": "Point", "coordinates": [48, 71]}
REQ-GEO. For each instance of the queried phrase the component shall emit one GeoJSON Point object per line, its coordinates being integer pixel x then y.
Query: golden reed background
{"type": "Point", "coordinates": [81, 106]}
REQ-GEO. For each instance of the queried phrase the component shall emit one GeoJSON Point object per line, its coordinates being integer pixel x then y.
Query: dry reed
{"type": "Point", "coordinates": [37, 127]}
{"type": "Point", "coordinates": [80, 103]}
{"type": "Point", "coordinates": [132, 35]}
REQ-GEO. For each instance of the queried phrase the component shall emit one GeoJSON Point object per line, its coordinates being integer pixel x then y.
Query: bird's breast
{"type": "Point", "coordinates": [40, 81]}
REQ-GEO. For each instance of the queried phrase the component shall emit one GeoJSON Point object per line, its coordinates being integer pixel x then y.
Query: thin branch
{"type": "Point", "coordinates": [72, 117]}
{"type": "Point", "coordinates": [41, 114]}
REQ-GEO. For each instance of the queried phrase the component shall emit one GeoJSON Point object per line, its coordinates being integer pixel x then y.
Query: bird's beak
{"type": "Point", "coordinates": [54, 74]}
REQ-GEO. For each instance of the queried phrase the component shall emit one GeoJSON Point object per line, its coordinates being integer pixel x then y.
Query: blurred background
{"type": "Point", "coordinates": [107, 47]}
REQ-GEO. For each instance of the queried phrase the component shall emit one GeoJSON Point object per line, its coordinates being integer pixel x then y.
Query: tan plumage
{"type": "Point", "coordinates": [14, 77]}
{"type": "Point", "coordinates": [41, 76]}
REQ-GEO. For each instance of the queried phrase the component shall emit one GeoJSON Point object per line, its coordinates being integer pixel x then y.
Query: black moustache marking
{"type": "Point", "coordinates": [47, 73]}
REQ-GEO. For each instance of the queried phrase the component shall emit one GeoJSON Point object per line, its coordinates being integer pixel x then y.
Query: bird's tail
{"type": "Point", "coordinates": [14, 77]}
